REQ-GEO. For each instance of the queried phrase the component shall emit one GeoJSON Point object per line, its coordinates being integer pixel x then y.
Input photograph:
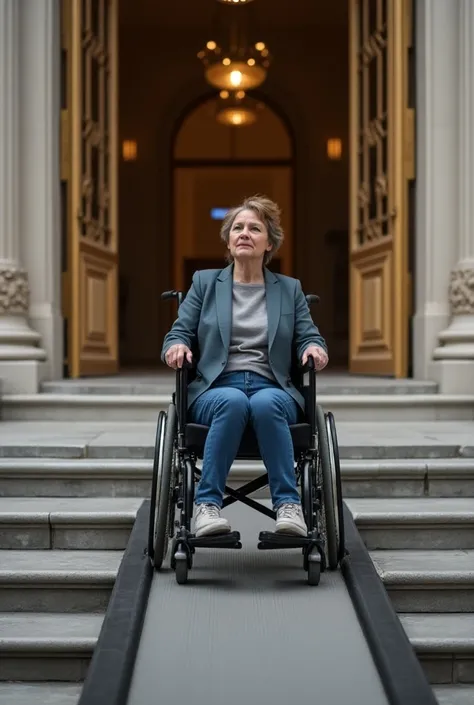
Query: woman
{"type": "Point", "coordinates": [246, 322]}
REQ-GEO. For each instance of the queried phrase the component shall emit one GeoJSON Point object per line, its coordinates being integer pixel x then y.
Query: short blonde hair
{"type": "Point", "coordinates": [268, 212]}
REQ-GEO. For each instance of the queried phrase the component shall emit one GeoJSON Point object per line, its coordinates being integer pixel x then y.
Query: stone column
{"type": "Point", "coordinates": [40, 180]}
{"type": "Point", "coordinates": [454, 366]}
{"type": "Point", "coordinates": [21, 360]}
{"type": "Point", "coordinates": [436, 173]}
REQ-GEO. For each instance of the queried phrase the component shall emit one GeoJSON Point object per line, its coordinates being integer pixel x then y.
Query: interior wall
{"type": "Point", "coordinates": [159, 77]}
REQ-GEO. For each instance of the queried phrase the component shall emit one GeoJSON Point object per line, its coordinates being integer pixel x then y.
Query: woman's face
{"type": "Point", "coordinates": [248, 237]}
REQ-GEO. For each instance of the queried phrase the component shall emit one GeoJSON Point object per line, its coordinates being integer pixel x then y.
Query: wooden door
{"type": "Point", "coordinates": [91, 281]}
{"type": "Point", "coordinates": [381, 131]}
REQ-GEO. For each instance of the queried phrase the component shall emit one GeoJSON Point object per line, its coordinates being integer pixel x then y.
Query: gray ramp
{"type": "Point", "coordinates": [247, 628]}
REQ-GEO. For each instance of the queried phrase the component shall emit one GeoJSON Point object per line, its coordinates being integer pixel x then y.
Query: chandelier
{"type": "Point", "coordinates": [236, 109]}
{"type": "Point", "coordinates": [233, 62]}
{"type": "Point", "coordinates": [234, 2]}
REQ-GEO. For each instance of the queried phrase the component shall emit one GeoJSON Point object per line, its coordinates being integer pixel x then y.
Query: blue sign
{"type": "Point", "coordinates": [219, 213]}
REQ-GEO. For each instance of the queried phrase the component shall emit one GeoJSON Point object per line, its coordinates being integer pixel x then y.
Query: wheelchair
{"type": "Point", "coordinates": [180, 444]}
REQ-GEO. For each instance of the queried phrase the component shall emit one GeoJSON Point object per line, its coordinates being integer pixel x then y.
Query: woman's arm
{"type": "Point", "coordinates": [184, 329]}
{"type": "Point", "coordinates": [305, 332]}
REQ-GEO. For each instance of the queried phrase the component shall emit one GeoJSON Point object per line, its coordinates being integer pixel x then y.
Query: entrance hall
{"type": "Point", "coordinates": [189, 167]}
{"type": "Point", "coordinates": [175, 116]}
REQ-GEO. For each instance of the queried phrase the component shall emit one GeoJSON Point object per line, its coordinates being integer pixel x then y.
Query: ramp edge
{"type": "Point", "coordinates": [110, 672]}
{"type": "Point", "coordinates": [402, 676]}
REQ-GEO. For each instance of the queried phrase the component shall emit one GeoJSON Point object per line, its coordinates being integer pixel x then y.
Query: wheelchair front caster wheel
{"type": "Point", "coordinates": [314, 569]}
{"type": "Point", "coordinates": [181, 568]}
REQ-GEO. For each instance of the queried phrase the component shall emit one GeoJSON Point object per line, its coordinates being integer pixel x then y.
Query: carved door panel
{"type": "Point", "coordinates": [92, 242]}
{"type": "Point", "coordinates": [380, 168]}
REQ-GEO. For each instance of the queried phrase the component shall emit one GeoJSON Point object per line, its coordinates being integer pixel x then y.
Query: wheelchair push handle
{"type": "Point", "coordinates": [309, 365]}
{"type": "Point", "coordinates": [172, 295]}
{"type": "Point", "coordinates": [312, 299]}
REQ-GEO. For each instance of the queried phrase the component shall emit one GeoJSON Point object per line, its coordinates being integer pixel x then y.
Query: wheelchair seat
{"type": "Point", "coordinates": [195, 437]}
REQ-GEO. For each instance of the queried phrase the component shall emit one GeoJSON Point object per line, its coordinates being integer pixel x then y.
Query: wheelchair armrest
{"type": "Point", "coordinates": [311, 401]}
{"type": "Point", "coordinates": [181, 398]}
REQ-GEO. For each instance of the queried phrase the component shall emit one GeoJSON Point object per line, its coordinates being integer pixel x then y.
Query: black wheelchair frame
{"type": "Point", "coordinates": [179, 444]}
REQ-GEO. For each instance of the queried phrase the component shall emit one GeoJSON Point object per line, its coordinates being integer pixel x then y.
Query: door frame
{"type": "Point", "coordinates": [385, 349]}
{"type": "Point", "coordinates": [90, 239]}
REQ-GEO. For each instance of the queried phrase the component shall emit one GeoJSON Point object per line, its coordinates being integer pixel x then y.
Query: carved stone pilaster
{"type": "Point", "coordinates": [14, 292]}
{"type": "Point", "coordinates": [461, 291]}
{"type": "Point", "coordinates": [22, 360]}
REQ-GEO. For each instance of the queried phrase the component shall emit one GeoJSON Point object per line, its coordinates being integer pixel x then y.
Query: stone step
{"type": "Point", "coordinates": [58, 647]}
{"type": "Point", "coordinates": [144, 407]}
{"type": "Point", "coordinates": [97, 523]}
{"type": "Point", "coordinates": [413, 523]}
{"type": "Point", "coordinates": [81, 581]}
{"type": "Point", "coordinates": [135, 440]}
{"type": "Point", "coordinates": [40, 693]}
{"type": "Point", "coordinates": [56, 477]}
{"type": "Point", "coordinates": [47, 647]}
{"type": "Point", "coordinates": [57, 581]}
{"type": "Point", "coordinates": [444, 644]}
{"type": "Point", "coordinates": [428, 581]}
{"type": "Point", "coordinates": [404, 477]}
{"type": "Point", "coordinates": [163, 382]}
{"type": "Point", "coordinates": [454, 694]}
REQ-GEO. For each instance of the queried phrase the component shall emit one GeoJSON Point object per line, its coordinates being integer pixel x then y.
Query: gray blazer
{"type": "Point", "coordinates": [205, 318]}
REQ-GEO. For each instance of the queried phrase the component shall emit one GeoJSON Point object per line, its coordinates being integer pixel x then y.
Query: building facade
{"type": "Point", "coordinates": [411, 239]}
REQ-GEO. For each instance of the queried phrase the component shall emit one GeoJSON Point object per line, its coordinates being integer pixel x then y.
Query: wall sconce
{"type": "Point", "coordinates": [129, 150]}
{"type": "Point", "coordinates": [334, 148]}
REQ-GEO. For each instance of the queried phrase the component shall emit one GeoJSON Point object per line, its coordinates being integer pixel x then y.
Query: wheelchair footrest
{"type": "Point", "coordinates": [271, 540]}
{"type": "Point", "coordinates": [230, 540]}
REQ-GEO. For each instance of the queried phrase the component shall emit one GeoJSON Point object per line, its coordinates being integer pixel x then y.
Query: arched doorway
{"type": "Point", "coordinates": [214, 167]}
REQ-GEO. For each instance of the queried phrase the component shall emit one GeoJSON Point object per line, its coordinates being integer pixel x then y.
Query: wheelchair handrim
{"type": "Point", "coordinates": [160, 477]}
{"type": "Point", "coordinates": [156, 482]}
{"type": "Point", "coordinates": [334, 489]}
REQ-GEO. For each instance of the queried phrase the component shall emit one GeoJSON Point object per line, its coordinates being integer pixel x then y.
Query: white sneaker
{"type": "Point", "coordinates": [290, 520]}
{"type": "Point", "coordinates": [209, 521]}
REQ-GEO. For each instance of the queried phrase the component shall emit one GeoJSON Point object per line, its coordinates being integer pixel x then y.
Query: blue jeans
{"type": "Point", "coordinates": [226, 408]}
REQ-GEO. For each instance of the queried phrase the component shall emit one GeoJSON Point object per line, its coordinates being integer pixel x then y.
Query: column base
{"type": "Point", "coordinates": [22, 376]}
{"type": "Point", "coordinates": [453, 360]}
{"type": "Point", "coordinates": [49, 325]}
{"type": "Point", "coordinates": [23, 364]}
{"type": "Point", "coordinates": [453, 376]}
{"type": "Point", "coordinates": [426, 329]}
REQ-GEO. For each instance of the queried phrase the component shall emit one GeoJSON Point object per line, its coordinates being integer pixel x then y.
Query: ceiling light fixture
{"type": "Point", "coordinates": [235, 70]}
{"type": "Point", "coordinates": [231, 60]}
{"type": "Point", "coordinates": [236, 109]}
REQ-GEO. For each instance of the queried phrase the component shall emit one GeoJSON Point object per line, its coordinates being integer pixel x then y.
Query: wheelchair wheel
{"type": "Point", "coordinates": [330, 498]}
{"type": "Point", "coordinates": [314, 569]}
{"type": "Point", "coordinates": [181, 571]}
{"type": "Point", "coordinates": [337, 482]}
{"type": "Point", "coordinates": [161, 504]}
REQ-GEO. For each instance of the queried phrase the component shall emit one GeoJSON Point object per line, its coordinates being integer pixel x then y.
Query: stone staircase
{"type": "Point", "coordinates": [139, 398]}
{"type": "Point", "coordinates": [70, 489]}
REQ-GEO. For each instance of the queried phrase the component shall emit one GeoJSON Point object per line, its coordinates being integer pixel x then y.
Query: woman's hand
{"type": "Point", "coordinates": [175, 356]}
{"type": "Point", "coordinates": [319, 356]}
